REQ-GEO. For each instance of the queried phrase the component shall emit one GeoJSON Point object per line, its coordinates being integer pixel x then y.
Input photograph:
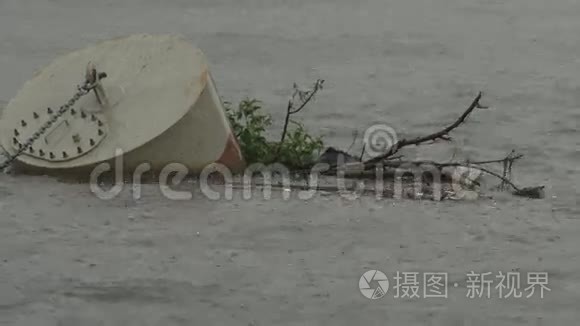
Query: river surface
{"type": "Point", "coordinates": [69, 258]}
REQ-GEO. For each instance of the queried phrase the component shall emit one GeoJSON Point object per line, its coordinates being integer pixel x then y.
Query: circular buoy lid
{"type": "Point", "coordinates": [72, 136]}
{"type": "Point", "coordinates": [152, 82]}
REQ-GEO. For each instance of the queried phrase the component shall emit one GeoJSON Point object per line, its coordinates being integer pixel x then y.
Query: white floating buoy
{"type": "Point", "coordinates": [154, 101]}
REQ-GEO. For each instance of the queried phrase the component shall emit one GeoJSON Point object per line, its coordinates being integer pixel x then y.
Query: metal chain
{"type": "Point", "coordinates": [81, 91]}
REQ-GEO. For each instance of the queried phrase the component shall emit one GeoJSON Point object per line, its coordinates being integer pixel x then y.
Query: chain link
{"type": "Point", "coordinates": [81, 91]}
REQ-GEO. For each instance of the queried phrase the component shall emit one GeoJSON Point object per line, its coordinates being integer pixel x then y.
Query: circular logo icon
{"type": "Point", "coordinates": [373, 284]}
{"type": "Point", "coordinates": [379, 139]}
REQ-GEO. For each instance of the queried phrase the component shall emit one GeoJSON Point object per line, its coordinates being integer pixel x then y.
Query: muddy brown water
{"type": "Point", "coordinates": [69, 258]}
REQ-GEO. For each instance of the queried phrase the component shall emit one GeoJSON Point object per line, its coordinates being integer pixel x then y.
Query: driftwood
{"type": "Point", "coordinates": [344, 165]}
{"type": "Point", "coordinates": [389, 160]}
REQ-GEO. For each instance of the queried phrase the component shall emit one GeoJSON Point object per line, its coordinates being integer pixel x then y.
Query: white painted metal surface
{"type": "Point", "coordinates": [162, 107]}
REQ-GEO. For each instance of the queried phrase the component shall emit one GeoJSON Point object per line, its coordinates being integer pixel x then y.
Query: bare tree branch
{"type": "Point", "coordinates": [443, 134]}
{"type": "Point", "coordinates": [304, 98]}
{"type": "Point", "coordinates": [354, 138]}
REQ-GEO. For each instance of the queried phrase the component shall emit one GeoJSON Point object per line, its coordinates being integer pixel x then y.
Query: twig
{"type": "Point", "coordinates": [443, 134]}
{"type": "Point", "coordinates": [305, 97]}
{"type": "Point", "coordinates": [362, 153]}
{"type": "Point", "coordinates": [392, 158]}
{"type": "Point", "coordinates": [476, 164]}
{"type": "Point", "coordinates": [503, 179]}
{"type": "Point", "coordinates": [528, 192]}
{"type": "Point", "coordinates": [509, 159]}
{"type": "Point", "coordinates": [354, 138]}
{"type": "Point", "coordinates": [390, 164]}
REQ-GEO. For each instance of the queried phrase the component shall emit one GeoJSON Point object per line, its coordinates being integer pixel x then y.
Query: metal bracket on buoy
{"type": "Point", "coordinates": [94, 77]}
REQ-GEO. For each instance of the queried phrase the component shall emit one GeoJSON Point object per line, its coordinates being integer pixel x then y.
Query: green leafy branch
{"type": "Point", "coordinates": [297, 149]}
